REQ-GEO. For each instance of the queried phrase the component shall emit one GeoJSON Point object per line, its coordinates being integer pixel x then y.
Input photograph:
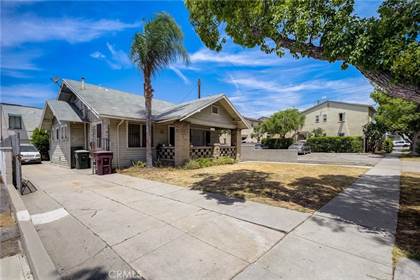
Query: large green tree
{"type": "Point", "coordinates": [397, 115]}
{"type": "Point", "coordinates": [283, 122]}
{"type": "Point", "coordinates": [385, 49]}
{"type": "Point", "coordinates": [157, 46]}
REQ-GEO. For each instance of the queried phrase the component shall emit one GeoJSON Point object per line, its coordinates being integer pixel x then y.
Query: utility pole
{"type": "Point", "coordinates": [199, 88]}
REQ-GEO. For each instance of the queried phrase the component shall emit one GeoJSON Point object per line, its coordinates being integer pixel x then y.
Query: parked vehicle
{"type": "Point", "coordinates": [401, 143]}
{"type": "Point", "coordinates": [29, 154]}
{"type": "Point", "coordinates": [302, 147]}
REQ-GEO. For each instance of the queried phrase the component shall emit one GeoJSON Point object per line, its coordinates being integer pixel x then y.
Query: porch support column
{"type": "Point", "coordinates": [182, 143]}
{"type": "Point", "coordinates": [236, 140]}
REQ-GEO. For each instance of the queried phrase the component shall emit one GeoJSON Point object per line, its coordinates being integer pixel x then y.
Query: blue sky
{"type": "Point", "coordinates": [40, 40]}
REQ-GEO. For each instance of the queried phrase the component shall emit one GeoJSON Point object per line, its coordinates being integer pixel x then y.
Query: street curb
{"type": "Point", "coordinates": [40, 262]}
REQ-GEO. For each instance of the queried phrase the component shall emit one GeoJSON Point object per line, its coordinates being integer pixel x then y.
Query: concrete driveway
{"type": "Point", "coordinates": [123, 227]}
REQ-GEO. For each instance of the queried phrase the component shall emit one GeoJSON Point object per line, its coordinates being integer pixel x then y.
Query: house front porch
{"type": "Point", "coordinates": [187, 141]}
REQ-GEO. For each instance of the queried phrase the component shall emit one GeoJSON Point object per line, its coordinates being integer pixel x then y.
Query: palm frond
{"type": "Point", "coordinates": [159, 45]}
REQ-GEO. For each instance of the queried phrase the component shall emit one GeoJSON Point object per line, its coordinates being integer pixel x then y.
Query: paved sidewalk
{"type": "Point", "coordinates": [103, 225]}
{"type": "Point", "coordinates": [351, 237]}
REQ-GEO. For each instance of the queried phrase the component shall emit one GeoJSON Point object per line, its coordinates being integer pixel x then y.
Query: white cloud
{"type": "Point", "coordinates": [117, 59]}
{"type": "Point", "coordinates": [180, 74]}
{"type": "Point", "coordinates": [240, 58]}
{"type": "Point", "coordinates": [119, 56]}
{"type": "Point", "coordinates": [28, 94]}
{"type": "Point", "coordinates": [17, 30]}
{"type": "Point", "coordinates": [97, 55]}
{"type": "Point", "coordinates": [18, 63]}
{"type": "Point", "coordinates": [257, 96]}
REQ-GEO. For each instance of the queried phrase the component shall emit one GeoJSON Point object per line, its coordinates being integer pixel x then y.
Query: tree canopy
{"type": "Point", "coordinates": [384, 49]}
{"type": "Point", "coordinates": [283, 122]}
{"type": "Point", "coordinates": [397, 115]}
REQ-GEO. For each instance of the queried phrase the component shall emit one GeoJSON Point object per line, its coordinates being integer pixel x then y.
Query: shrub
{"type": "Point", "coordinates": [41, 140]}
{"type": "Point", "coordinates": [277, 143]}
{"type": "Point", "coordinates": [388, 145]}
{"type": "Point", "coordinates": [207, 162]}
{"type": "Point", "coordinates": [138, 164]}
{"type": "Point", "coordinates": [337, 144]}
{"type": "Point", "coordinates": [223, 160]}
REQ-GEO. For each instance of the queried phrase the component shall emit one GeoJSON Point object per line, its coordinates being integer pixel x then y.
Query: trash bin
{"type": "Point", "coordinates": [82, 159]}
{"type": "Point", "coordinates": [103, 161]}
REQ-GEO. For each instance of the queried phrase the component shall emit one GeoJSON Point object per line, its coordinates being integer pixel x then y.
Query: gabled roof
{"type": "Point", "coordinates": [338, 102]}
{"type": "Point", "coordinates": [30, 115]}
{"type": "Point", "coordinates": [111, 103]}
{"type": "Point", "coordinates": [184, 109]}
{"type": "Point", "coordinates": [62, 111]}
{"type": "Point", "coordinates": [114, 103]}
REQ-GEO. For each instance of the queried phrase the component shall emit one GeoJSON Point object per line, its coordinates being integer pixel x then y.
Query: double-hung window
{"type": "Point", "coordinates": [15, 122]}
{"type": "Point", "coordinates": [341, 117]}
{"type": "Point", "coordinates": [317, 119]}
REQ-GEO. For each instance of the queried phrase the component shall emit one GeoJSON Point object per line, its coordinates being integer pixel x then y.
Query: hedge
{"type": "Point", "coordinates": [277, 143]}
{"type": "Point", "coordinates": [337, 144]}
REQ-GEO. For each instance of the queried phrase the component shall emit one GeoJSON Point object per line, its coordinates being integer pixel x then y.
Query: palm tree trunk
{"type": "Point", "coordinates": [148, 95]}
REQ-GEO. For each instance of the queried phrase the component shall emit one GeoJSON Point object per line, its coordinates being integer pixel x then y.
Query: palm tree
{"type": "Point", "coordinates": [160, 44]}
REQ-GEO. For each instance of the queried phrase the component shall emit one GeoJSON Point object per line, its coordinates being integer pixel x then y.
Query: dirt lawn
{"type": "Point", "coordinates": [407, 241]}
{"type": "Point", "coordinates": [300, 187]}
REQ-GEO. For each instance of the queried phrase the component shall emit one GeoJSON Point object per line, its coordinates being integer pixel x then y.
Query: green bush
{"type": "Point", "coordinates": [207, 162]}
{"type": "Point", "coordinates": [277, 143]}
{"type": "Point", "coordinates": [388, 145]}
{"type": "Point", "coordinates": [337, 144]}
{"type": "Point", "coordinates": [41, 140]}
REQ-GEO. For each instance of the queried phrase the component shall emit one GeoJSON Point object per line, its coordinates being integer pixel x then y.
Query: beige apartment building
{"type": "Point", "coordinates": [337, 118]}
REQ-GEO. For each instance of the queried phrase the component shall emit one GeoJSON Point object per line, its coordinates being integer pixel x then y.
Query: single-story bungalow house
{"type": "Point", "coordinates": [92, 117]}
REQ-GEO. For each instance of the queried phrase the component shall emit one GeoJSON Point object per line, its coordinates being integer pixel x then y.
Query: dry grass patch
{"type": "Point", "coordinates": [410, 158]}
{"type": "Point", "coordinates": [294, 186]}
{"type": "Point", "coordinates": [407, 243]}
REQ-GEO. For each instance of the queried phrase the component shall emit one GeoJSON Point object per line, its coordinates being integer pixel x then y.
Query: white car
{"type": "Point", "coordinates": [28, 153]}
{"type": "Point", "coordinates": [401, 144]}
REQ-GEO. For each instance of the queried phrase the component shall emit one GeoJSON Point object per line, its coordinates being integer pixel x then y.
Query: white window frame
{"type": "Point", "coordinates": [324, 118]}
{"type": "Point", "coordinates": [317, 119]}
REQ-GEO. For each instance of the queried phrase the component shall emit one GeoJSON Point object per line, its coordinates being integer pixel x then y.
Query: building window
{"type": "Point", "coordinates": [15, 122]}
{"type": "Point", "coordinates": [57, 134]}
{"type": "Point", "coordinates": [341, 134]}
{"type": "Point", "coordinates": [324, 117]}
{"type": "Point", "coordinates": [134, 137]}
{"type": "Point", "coordinates": [341, 117]}
{"type": "Point", "coordinates": [317, 119]}
{"type": "Point", "coordinates": [172, 135]}
{"type": "Point", "coordinates": [99, 135]}
{"type": "Point", "coordinates": [215, 109]}
{"type": "Point", "coordinates": [63, 132]}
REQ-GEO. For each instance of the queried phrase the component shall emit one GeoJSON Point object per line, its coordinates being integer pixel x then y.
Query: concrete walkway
{"type": "Point", "coordinates": [351, 237]}
{"type": "Point", "coordinates": [119, 225]}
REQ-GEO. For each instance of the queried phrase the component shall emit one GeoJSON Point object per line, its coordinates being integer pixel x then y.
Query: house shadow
{"type": "Point", "coordinates": [100, 273]}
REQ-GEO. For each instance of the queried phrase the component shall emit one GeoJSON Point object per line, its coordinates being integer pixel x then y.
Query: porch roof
{"type": "Point", "coordinates": [61, 110]}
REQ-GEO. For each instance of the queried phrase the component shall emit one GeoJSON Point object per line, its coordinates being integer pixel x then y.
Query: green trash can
{"type": "Point", "coordinates": [82, 159]}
